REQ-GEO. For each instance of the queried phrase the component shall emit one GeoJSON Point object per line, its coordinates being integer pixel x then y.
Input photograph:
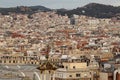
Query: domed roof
{"type": "Point", "coordinates": [47, 66]}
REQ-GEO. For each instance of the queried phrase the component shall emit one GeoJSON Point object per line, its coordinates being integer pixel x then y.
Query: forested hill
{"type": "Point", "coordinates": [92, 9]}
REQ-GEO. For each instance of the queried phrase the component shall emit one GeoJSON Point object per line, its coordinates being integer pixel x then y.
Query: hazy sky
{"type": "Point", "coordinates": [69, 4]}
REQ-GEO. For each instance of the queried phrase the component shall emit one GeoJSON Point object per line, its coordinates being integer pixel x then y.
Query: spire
{"type": "Point", "coordinates": [47, 52]}
{"type": "Point", "coordinates": [47, 65]}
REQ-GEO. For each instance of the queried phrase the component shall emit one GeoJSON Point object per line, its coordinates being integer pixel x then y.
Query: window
{"type": "Point", "coordinates": [77, 75]}
{"type": "Point", "coordinates": [13, 61]}
{"type": "Point", "coordinates": [62, 66]}
{"type": "Point", "coordinates": [73, 67]}
{"type": "Point", "coordinates": [4, 61]}
{"type": "Point", "coordinates": [66, 67]}
{"type": "Point", "coordinates": [70, 75]}
{"type": "Point", "coordinates": [9, 61]}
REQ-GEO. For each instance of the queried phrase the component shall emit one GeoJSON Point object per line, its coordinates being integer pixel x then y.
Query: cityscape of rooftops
{"type": "Point", "coordinates": [59, 40]}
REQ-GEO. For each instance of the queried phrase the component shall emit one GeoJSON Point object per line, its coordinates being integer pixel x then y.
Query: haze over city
{"type": "Point", "coordinates": [56, 4]}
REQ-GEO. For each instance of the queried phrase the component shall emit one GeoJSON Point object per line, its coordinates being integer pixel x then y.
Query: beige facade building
{"type": "Point", "coordinates": [74, 71]}
{"type": "Point", "coordinates": [13, 60]}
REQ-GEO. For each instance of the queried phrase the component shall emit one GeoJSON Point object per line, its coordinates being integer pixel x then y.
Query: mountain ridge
{"type": "Point", "coordinates": [92, 9]}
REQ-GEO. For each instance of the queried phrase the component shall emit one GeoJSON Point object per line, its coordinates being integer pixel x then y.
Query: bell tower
{"type": "Point", "coordinates": [47, 68]}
